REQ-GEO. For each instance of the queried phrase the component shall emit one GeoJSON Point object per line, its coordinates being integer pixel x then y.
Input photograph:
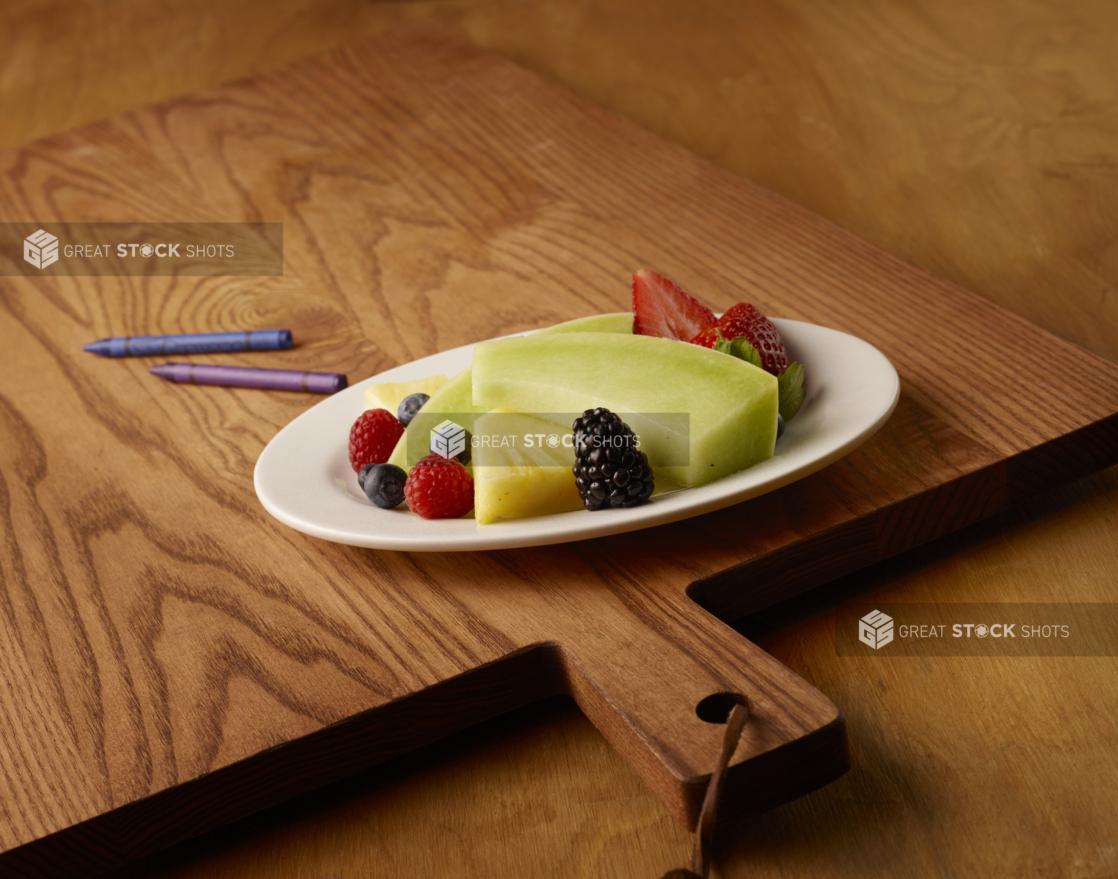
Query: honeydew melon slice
{"type": "Point", "coordinates": [650, 382]}
{"type": "Point", "coordinates": [614, 322]}
{"type": "Point", "coordinates": [519, 470]}
{"type": "Point", "coordinates": [455, 397]}
{"type": "Point", "coordinates": [391, 394]}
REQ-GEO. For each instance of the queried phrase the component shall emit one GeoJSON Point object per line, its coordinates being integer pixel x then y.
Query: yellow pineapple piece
{"type": "Point", "coordinates": [391, 394]}
{"type": "Point", "coordinates": [522, 467]}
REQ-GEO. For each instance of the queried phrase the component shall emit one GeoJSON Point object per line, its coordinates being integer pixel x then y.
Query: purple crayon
{"type": "Point", "coordinates": [252, 377]}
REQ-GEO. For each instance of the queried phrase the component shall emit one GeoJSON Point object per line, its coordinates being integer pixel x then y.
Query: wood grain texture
{"type": "Point", "coordinates": [510, 213]}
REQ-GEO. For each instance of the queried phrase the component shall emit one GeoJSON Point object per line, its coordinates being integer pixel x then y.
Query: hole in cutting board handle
{"type": "Point", "coordinates": [716, 707]}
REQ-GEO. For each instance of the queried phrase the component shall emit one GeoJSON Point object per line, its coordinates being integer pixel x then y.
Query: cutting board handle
{"type": "Point", "coordinates": [660, 693]}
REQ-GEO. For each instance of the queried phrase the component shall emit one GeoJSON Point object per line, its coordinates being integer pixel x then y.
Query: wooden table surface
{"type": "Point", "coordinates": [980, 145]}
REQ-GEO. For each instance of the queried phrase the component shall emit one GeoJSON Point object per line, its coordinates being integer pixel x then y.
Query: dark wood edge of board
{"type": "Point", "coordinates": [908, 523]}
{"type": "Point", "coordinates": [144, 826]}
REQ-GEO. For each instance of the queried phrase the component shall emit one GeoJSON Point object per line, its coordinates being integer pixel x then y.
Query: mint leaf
{"type": "Point", "coordinates": [739, 348]}
{"type": "Point", "coordinates": [789, 385]}
{"type": "Point", "coordinates": [790, 388]}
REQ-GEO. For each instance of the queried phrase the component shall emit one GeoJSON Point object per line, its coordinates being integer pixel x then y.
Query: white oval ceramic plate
{"type": "Point", "coordinates": [303, 477]}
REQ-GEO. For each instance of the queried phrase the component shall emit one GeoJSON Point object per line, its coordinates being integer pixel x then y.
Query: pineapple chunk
{"type": "Point", "coordinates": [391, 394]}
{"type": "Point", "coordinates": [517, 472]}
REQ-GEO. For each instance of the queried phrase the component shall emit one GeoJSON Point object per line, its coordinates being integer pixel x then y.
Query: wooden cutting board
{"type": "Point", "coordinates": [173, 658]}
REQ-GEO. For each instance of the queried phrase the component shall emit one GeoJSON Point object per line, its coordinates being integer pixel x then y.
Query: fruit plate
{"type": "Point", "coordinates": [303, 477]}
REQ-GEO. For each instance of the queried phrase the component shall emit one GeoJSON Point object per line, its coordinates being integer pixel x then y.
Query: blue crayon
{"type": "Point", "coordinates": [192, 343]}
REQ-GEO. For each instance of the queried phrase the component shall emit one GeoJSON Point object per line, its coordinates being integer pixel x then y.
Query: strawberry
{"type": "Point", "coordinates": [745, 320]}
{"type": "Point", "coordinates": [660, 308]}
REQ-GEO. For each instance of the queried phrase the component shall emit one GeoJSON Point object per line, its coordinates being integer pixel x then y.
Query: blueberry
{"type": "Point", "coordinates": [409, 406]}
{"type": "Point", "coordinates": [384, 485]}
{"type": "Point", "coordinates": [363, 473]}
{"type": "Point", "coordinates": [779, 425]}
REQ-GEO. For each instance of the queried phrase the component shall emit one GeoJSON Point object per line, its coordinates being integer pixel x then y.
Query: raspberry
{"type": "Point", "coordinates": [439, 488]}
{"type": "Point", "coordinates": [373, 437]}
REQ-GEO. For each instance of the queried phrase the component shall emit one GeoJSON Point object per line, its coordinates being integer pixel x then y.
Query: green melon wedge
{"type": "Point", "coordinates": [614, 322]}
{"type": "Point", "coordinates": [455, 397]}
{"type": "Point", "coordinates": [453, 400]}
{"type": "Point", "coordinates": [649, 382]}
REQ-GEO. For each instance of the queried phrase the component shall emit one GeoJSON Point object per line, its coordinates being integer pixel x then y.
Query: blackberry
{"type": "Point", "coordinates": [610, 470]}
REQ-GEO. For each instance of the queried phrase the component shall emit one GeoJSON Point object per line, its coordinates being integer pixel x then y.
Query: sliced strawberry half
{"type": "Point", "coordinates": [745, 320]}
{"type": "Point", "coordinates": [660, 308]}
